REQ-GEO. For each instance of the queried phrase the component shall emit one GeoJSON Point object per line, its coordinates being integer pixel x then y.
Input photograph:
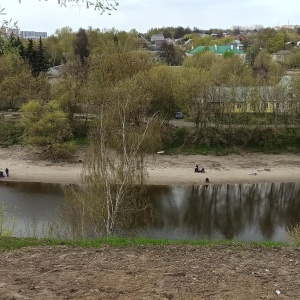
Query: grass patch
{"type": "Point", "coordinates": [9, 243]}
{"type": "Point", "coordinates": [81, 140]}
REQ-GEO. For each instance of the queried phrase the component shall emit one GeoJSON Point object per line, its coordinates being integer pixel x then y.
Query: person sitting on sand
{"type": "Point", "coordinates": [199, 170]}
{"type": "Point", "coordinates": [1, 174]}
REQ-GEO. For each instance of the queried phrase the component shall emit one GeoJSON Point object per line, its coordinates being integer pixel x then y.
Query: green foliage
{"type": "Point", "coordinates": [223, 140]}
{"type": "Point", "coordinates": [47, 126]}
{"type": "Point", "coordinates": [170, 54]}
{"type": "Point", "coordinates": [6, 224]}
{"type": "Point", "coordinates": [228, 54]}
{"type": "Point", "coordinates": [17, 85]}
{"type": "Point", "coordinates": [293, 60]}
{"type": "Point", "coordinates": [294, 233]}
{"type": "Point", "coordinates": [275, 43]}
{"type": "Point", "coordinates": [10, 133]}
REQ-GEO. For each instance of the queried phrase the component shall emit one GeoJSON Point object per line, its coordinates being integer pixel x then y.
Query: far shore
{"type": "Point", "coordinates": [26, 166]}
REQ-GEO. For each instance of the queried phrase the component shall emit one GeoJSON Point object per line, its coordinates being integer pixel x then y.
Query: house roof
{"type": "Point", "coordinates": [216, 49]}
{"type": "Point", "coordinates": [282, 52]}
{"type": "Point", "coordinates": [155, 37]}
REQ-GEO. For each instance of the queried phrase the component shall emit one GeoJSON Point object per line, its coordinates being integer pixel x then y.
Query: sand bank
{"type": "Point", "coordinates": [25, 166]}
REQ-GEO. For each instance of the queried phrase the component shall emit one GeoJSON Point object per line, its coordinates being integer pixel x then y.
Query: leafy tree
{"type": "Point", "coordinates": [275, 43]}
{"type": "Point", "coordinates": [65, 46]}
{"type": "Point", "coordinates": [47, 126]}
{"type": "Point", "coordinates": [169, 55]}
{"type": "Point", "coordinates": [54, 53]}
{"type": "Point", "coordinates": [17, 86]}
{"type": "Point", "coordinates": [71, 89]}
{"type": "Point", "coordinates": [161, 82]}
{"type": "Point", "coordinates": [263, 61]}
{"type": "Point", "coordinates": [179, 33]}
{"type": "Point", "coordinates": [293, 61]}
{"type": "Point", "coordinates": [200, 60]}
{"type": "Point", "coordinates": [201, 41]}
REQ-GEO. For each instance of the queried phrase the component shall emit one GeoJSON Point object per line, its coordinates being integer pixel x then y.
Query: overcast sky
{"type": "Point", "coordinates": [143, 15]}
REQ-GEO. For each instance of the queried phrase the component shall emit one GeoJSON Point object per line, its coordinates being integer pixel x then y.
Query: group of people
{"type": "Point", "coordinates": [199, 170]}
{"type": "Point", "coordinates": [6, 172]}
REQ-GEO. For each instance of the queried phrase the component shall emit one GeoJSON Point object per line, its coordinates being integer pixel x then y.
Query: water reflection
{"type": "Point", "coordinates": [32, 205]}
{"type": "Point", "coordinates": [256, 212]}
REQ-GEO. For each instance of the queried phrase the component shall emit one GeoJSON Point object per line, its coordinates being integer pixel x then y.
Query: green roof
{"type": "Point", "coordinates": [216, 49]}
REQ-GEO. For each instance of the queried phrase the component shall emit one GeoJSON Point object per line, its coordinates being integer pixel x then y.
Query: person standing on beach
{"type": "Point", "coordinates": [7, 172]}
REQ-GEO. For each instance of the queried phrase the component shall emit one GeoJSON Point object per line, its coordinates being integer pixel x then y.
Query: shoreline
{"type": "Point", "coordinates": [25, 166]}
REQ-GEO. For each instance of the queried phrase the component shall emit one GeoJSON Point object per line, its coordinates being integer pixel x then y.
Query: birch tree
{"type": "Point", "coordinates": [114, 173]}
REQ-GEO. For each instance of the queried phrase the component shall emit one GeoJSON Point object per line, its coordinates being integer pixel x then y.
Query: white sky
{"type": "Point", "coordinates": [142, 15]}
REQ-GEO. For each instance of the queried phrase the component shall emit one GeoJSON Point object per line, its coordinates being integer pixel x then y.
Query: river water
{"type": "Point", "coordinates": [257, 212]}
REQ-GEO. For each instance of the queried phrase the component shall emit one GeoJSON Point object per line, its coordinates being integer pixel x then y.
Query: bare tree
{"type": "Point", "coordinates": [114, 171]}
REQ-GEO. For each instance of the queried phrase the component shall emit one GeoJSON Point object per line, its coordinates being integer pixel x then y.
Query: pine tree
{"type": "Point", "coordinates": [31, 56]}
{"type": "Point", "coordinates": [22, 51]}
{"type": "Point", "coordinates": [36, 58]}
{"type": "Point", "coordinates": [81, 45]}
{"type": "Point", "coordinates": [41, 61]}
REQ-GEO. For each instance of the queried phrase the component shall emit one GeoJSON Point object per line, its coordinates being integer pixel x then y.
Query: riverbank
{"type": "Point", "coordinates": [26, 166]}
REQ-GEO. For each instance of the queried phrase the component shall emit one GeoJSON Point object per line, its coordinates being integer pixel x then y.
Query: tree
{"type": "Point", "coordinates": [41, 64]}
{"type": "Point", "coordinates": [47, 126]}
{"type": "Point", "coordinates": [17, 86]}
{"type": "Point", "coordinates": [276, 43]}
{"type": "Point", "coordinates": [168, 54]}
{"type": "Point", "coordinates": [114, 171]}
{"type": "Point", "coordinates": [81, 46]}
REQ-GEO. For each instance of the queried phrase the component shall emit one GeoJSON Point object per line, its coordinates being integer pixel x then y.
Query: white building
{"type": "Point", "coordinates": [34, 35]}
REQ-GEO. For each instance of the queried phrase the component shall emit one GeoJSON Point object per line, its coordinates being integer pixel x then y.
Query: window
{"type": "Point", "coordinates": [252, 107]}
{"type": "Point", "coordinates": [266, 105]}
{"type": "Point", "coordinates": [239, 106]}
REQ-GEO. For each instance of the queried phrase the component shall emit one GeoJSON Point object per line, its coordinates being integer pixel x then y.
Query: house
{"type": "Point", "coordinates": [157, 39]}
{"type": "Point", "coordinates": [218, 50]}
{"type": "Point", "coordinates": [258, 99]}
{"type": "Point", "coordinates": [281, 56]}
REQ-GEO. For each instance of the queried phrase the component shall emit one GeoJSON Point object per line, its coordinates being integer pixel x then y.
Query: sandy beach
{"type": "Point", "coordinates": [25, 165]}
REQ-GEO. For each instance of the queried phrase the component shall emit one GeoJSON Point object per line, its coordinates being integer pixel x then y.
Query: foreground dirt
{"type": "Point", "coordinates": [150, 272]}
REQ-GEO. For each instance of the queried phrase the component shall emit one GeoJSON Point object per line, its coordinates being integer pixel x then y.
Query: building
{"type": "Point", "coordinates": [219, 50]}
{"type": "Point", "coordinates": [12, 31]}
{"type": "Point", "coordinates": [34, 35]}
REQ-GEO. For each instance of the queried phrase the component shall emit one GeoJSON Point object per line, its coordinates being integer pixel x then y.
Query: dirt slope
{"type": "Point", "coordinates": [150, 272]}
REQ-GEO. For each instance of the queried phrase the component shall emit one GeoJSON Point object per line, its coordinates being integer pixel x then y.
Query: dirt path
{"type": "Point", "coordinates": [150, 272]}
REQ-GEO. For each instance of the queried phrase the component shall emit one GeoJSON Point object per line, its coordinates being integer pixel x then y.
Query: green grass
{"type": "Point", "coordinates": [8, 243]}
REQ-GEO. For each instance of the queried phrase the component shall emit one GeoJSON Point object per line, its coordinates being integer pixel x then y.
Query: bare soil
{"type": "Point", "coordinates": [150, 272]}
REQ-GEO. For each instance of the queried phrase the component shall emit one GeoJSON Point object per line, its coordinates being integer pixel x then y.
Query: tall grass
{"type": "Point", "coordinates": [7, 224]}
{"type": "Point", "coordinates": [294, 233]}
